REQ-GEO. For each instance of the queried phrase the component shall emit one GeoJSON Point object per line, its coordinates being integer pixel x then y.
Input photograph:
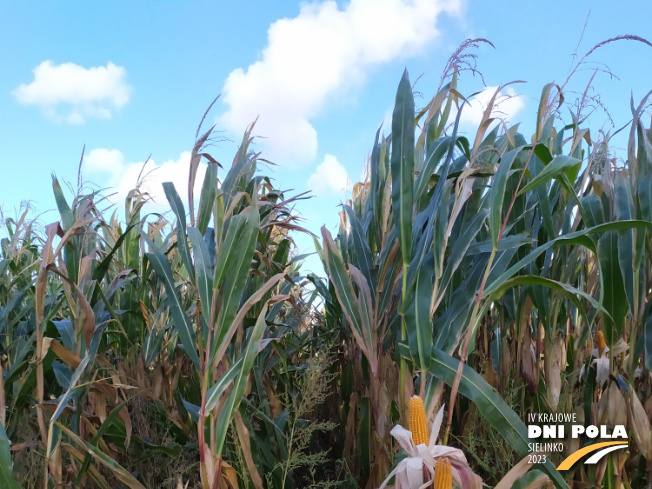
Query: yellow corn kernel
{"type": "Point", "coordinates": [418, 423]}
{"type": "Point", "coordinates": [600, 342]}
{"type": "Point", "coordinates": [443, 474]}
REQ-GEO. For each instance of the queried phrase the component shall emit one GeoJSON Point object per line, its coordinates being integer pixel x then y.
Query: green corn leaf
{"type": "Point", "coordinates": [439, 230]}
{"type": "Point", "coordinates": [67, 217]}
{"type": "Point", "coordinates": [342, 285]}
{"type": "Point", "coordinates": [624, 207]}
{"type": "Point", "coordinates": [593, 212]}
{"type": "Point", "coordinates": [241, 171]}
{"type": "Point", "coordinates": [182, 239]}
{"type": "Point", "coordinates": [577, 238]}
{"type": "Point", "coordinates": [104, 265]}
{"type": "Point", "coordinates": [435, 153]}
{"type": "Point", "coordinates": [438, 214]}
{"type": "Point", "coordinates": [417, 316]}
{"type": "Point", "coordinates": [645, 197]}
{"type": "Point", "coordinates": [240, 381]}
{"type": "Point", "coordinates": [545, 207]}
{"type": "Point", "coordinates": [374, 200]}
{"type": "Point", "coordinates": [181, 320]}
{"type": "Point", "coordinates": [570, 292]}
{"type": "Point", "coordinates": [202, 268]}
{"type": "Point", "coordinates": [207, 198]}
{"type": "Point", "coordinates": [460, 246]}
{"type": "Point", "coordinates": [232, 268]}
{"type": "Point", "coordinates": [557, 167]}
{"type": "Point", "coordinates": [362, 252]}
{"type": "Point", "coordinates": [497, 192]}
{"type": "Point", "coordinates": [7, 480]}
{"type": "Point", "coordinates": [543, 109]}
{"type": "Point", "coordinates": [402, 165]}
{"type": "Point", "coordinates": [235, 234]}
{"type": "Point", "coordinates": [221, 385]}
{"type": "Point", "coordinates": [543, 153]}
{"type": "Point", "coordinates": [612, 287]}
{"type": "Point", "coordinates": [4, 264]}
{"type": "Point", "coordinates": [534, 479]}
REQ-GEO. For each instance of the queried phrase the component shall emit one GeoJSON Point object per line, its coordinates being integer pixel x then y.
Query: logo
{"type": "Point", "coordinates": [602, 449]}
{"type": "Point", "coordinates": [556, 433]}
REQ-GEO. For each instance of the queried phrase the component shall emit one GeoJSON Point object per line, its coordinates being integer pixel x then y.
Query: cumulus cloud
{"type": "Point", "coordinates": [109, 168]}
{"type": "Point", "coordinates": [311, 57]}
{"type": "Point", "coordinates": [330, 176]}
{"type": "Point", "coordinates": [507, 105]}
{"type": "Point", "coordinates": [72, 93]}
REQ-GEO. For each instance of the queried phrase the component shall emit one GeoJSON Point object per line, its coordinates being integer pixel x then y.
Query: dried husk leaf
{"type": "Point", "coordinates": [616, 406]}
{"type": "Point", "coordinates": [245, 445]}
{"type": "Point", "coordinates": [640, 425]}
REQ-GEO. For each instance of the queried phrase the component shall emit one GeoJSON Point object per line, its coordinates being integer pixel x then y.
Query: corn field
{"type": "Point", "coordinates": [473, 280]}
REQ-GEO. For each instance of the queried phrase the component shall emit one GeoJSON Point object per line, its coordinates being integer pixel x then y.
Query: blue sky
{"type": "Point", "coordinates": [132, 79]}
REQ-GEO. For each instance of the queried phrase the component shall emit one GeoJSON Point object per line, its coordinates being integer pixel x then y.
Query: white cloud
{"type": "Point", "coordinates": [330, 176]}
{"type": "Point", "coordinates": [309, 58]}
{"type": "Point", "coordinates": [109, 168]}
{"type": "Point", "coordinates": [104, 160]}
{"type": "Point", "coordinates": [72, 93]}
{"type": "Point", "coordinates": [507, 105]}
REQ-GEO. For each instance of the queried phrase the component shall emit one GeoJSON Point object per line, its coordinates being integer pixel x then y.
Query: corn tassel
{"type": "Point", "coordinates": [600, 342]}
{"type": "Point", "coordinates": [418, 423]}
{"type": "Point", "coordinates": [443, 474]}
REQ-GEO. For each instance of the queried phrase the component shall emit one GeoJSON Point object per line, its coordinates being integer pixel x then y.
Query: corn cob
{"type": "Point", "coordinates": [418, 423]}
{"type": "Point", "coordinates": [443, 474]}
{"type": "Point", "coordinates": [600, 342]}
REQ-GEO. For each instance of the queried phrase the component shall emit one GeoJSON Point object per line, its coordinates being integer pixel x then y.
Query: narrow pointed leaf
{"type": "Point", "coordinates": [181, 320]}
{"type": "Point", "coordinates": [558, 166]}
{"type": "Point", "coordinates": [118, 471]}
{"type": "Point", "coordinates": [207, 197]}
{"type": "Point", "coordinates": [240, 381]}
{"type": "Point", "coordinates": [233, 266]}
{"type": "Point", "coordinates": [203, 273]}
{"type": "Point", "coordinates": [402, 165]}
{"type": "Point", "coordinates": [182, 240]}
{"type": "Point", "coordinates": [221, 385]}
{"type": "Point", "coordinates": [497, 193]}
{"type": "Point", "coordinates": [614, 297]}
{"type": "Point", "coordinates": [7, 480]}
{"type": "Point", "coordinates": [362, 253]}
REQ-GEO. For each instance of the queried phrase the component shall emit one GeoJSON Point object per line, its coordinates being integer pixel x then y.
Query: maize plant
{"type": "Point", "coordinates": [474, 280]}
{"type": "Point", "coordinates": [114, 325]}
{"type": "Point", "coordinates": [494, 261]}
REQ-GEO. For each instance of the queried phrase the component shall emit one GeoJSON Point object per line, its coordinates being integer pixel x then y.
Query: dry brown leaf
{"type": "Point", "coordinates": [68, 357]}
{"type": "Point", "coordinates": [208, 467]}
{"type": "Point", "coordinates": [640, 424]}
{"type": "Point", "coordinates": [243, 435]}
{"type": "Point", "coordinates": [518, 471]}
{"type": "Point", "coordinates": [230, 476]}
{"type": "Point", "coordinates": [350, 426]}
{"type": "Point", "coordinates": [124, 416]}
{"type": "Point", "coordinates": [79, 457]}
{"type": "Point", "coordinates": [616, 406]}
{"type": "Point", "coordinates": [54, 465]}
